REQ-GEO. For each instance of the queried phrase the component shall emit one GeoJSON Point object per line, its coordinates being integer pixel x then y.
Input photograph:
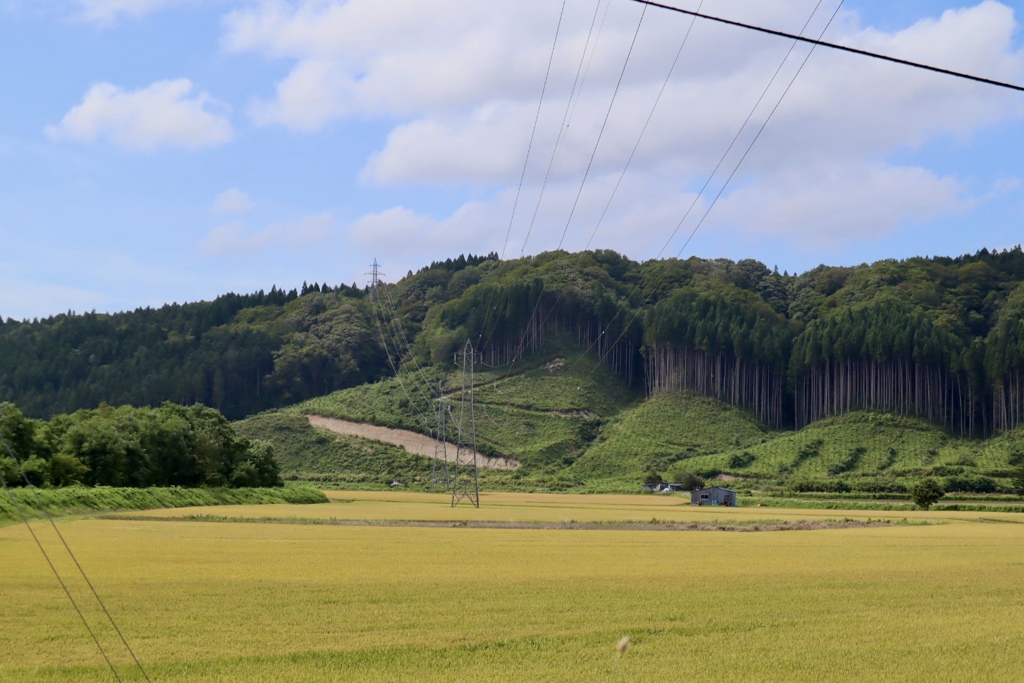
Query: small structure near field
{"type": "Point", "coordinates": [663, 488]}
{"type": "Point", "coordinates": [716, 495]}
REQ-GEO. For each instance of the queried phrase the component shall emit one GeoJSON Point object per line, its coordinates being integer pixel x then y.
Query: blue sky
{"type": "Point", "coordinates": [172, 150]}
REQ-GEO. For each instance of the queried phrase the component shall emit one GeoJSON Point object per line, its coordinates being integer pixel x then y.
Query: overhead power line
{"type": "Point", "coordinates": [722, 161]}
{"type": "Point", "coordinates": [636, 146]}
{"type": "Point", "coordinates": [835, 46]}
{"type": "Point", "coordinates": [566, 116]}
{"type": "Point", "coordinates": [604, 124]}
{"type": "Point", "coordinates": [21, 469]}
{"type": "Point", "coordinates": [760, 130]}
{"type": "Point", "coordinates": [533, 134]}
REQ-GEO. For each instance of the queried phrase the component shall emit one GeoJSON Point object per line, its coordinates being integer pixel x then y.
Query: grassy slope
{"type": "Point", "coordinates": [317, 455]}
{"type": "Point", "coordinates": [866, 446]}
{"type": "Point", "coordinates": [573, 423]}
{"type": "Point", "coordinates": [664, 432]}
{"type": "Point", "coordinates": [547, 415]}
{"type": "Point", "coordinates": [543, 412]}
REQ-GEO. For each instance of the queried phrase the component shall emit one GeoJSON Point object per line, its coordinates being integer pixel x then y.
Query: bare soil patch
{"type": "Point", "coordinates": [410, 441]}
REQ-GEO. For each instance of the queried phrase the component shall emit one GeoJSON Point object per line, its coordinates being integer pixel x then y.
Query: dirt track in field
{"type": "Point", "coordinates": [410, 441]}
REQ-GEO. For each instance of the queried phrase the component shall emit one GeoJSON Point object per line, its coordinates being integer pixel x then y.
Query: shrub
{"type": "Point", "coordinates": [969, 484]}
{"type": "Point", "coordinates": [1018, 481]}
{"type": "Point", "coordinates": [740, 460]}
{"type": "Point", "coordinates": [688, 480]}
{"type": "Point", "coordinates": [926, 493]}
{"type": "Point", "coordinates": [66, 470]}
{"type": "Point", "coordinates": [35, 471]}
{"type": "Point", "coordinates": [820, 486]}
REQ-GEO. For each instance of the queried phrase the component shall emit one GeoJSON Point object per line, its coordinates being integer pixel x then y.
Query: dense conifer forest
{"type": "Point", "coordinates": [940, 338]}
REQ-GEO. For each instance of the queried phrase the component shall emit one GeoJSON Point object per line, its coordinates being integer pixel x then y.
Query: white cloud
{"type": "Point", "coordinates": [233, 238]}
{"type": "Point", "coordinates": [313, 94]}
{"type": "Point", "coordinates": [164, 114]}
{"type": "Point", "coordinates": [233, 201]}
{"type": "Point", "coordinates": [463, 96]}
{"type": "Point", "coordinates": [826, 209]}
{"type": "Point", "coordinates": [405, 234]}
{"type": "Point", "coordinates": [638, 227]}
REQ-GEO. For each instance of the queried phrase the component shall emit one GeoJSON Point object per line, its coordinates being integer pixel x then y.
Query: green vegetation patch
{"type": "Point", "coordinates": [563, 379]}
{"type": "Point", "coordinates": [403, 402]}
{"type": "Point", "coordinates": [664, 432]}
{"type": "Point", "coordinates": [78, 499]}
{"type": "Point", "coordinates": [873, 452]}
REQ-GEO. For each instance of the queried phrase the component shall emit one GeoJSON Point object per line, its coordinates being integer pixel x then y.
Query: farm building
{"type": "Point", "coordinates": [716, 495]}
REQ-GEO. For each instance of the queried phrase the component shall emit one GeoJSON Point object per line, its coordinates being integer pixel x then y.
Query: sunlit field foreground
{"type": "Point", "coordinates": [250, 601]}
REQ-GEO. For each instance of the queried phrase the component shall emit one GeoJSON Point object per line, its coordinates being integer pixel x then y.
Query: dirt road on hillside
{"type": "Point", "coordinates": [410, 441]}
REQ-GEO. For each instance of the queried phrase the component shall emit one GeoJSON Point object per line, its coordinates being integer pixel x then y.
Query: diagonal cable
{"type": "Point", "coordinates": [604, 124]}
{"type": "Point", "coordinates": [643, 130]}
{"type": "Point", "coordinates": [533, 133]}
{"type": "Point", "coordinates": [563, 125]}
{"type": "Point", "coordinates": [758, 135]}
{"type": "Point", "coordinates": [53, 568]}
{"type": "Point", "coordinates": [636, 314]}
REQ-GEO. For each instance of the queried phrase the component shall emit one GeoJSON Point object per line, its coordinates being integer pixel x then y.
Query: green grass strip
{"type": "Point", "coordinates": [82, 499]}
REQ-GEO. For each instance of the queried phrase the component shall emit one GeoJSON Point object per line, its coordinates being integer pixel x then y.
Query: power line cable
{"type": "Point", "coordinates": [590, 163]}
{"type": "Point", "coordinates": [590, 62]}
{"type": "Point", "coordinates": [604, 124]}
{"type": "Point", "coordinates": [407, 347]}
{"type": "Point", "coordinates": [533, 133]}
{"type": "Point", "coordinates": [739, 132]}
{"type": "Point", "coordinates": [643, 130]}
{"type": "Point", "coordinates": [410, 353]}
{"type": "Point", "coordinates": [757, 136]}
{"type": "Point", "coordinates": [599, 336]}
{"type": "Point", "coordinates": [636, 314]}
{"type": "Point", "coordinates": [567, 115]}
{"type": "Point", "coordinates": [565, 118]}
{"type": "Point", "coordinates": [835, 46]}
{"type": "Point", "coordinates": [380, 330]}
{"type": "Point", "coordinates": [53, 568]}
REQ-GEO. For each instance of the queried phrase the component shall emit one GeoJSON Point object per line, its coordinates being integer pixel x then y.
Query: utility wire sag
{"type": "Point", "coordinates": [835, 46]}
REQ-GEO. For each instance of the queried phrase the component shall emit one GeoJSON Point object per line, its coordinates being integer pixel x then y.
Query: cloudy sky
{"type": "Point", "coordinates": [173, 150]}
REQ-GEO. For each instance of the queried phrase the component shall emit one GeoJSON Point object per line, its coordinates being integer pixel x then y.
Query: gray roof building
{"type": "Point", "coordinates": [715, 495]}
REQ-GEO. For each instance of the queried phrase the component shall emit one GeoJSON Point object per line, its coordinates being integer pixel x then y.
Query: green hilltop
{"type": "Point", "coordinates": [593, 371]}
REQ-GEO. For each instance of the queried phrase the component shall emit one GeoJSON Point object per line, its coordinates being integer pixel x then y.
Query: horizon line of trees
{"type": "Point", "coordinates": [173, 445]}
{"type": "Point", "coordinates": [937, 337]}
{"type": "Point", "coordinates": [735, 336]}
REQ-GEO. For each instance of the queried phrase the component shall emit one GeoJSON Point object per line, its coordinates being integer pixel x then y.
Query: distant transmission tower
{"type": "Point", "coordinates": [466, 473]}
{"type": "Point", "coordinates": [375, 277]}
{"type": "Point", "coordinates": [439, 475]}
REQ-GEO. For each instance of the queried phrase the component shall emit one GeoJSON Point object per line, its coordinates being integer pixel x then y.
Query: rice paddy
{"type": "Point", "coordinates": [251, 601]}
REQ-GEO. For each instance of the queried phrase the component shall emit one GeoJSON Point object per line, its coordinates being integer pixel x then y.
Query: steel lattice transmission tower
{"type": "Point", "coordinates": [440, 479]}
{"type": "Point", "coordinates": [465, 471]}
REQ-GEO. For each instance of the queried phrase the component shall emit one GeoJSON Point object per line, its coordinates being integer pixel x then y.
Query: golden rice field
{"type": "Point", "coordinates": [249, 601]}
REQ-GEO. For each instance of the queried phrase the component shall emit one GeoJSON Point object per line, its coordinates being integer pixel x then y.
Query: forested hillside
{"type": "Point", "coordinates": [239, 353]}
{"type": "Point", "coordinates": [937, 338]}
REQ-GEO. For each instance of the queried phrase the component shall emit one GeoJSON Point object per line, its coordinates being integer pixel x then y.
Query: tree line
{"type": "Point", "coordinates": [937, 337]}
{"type": "Point", "coordinates": [173, 445]}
